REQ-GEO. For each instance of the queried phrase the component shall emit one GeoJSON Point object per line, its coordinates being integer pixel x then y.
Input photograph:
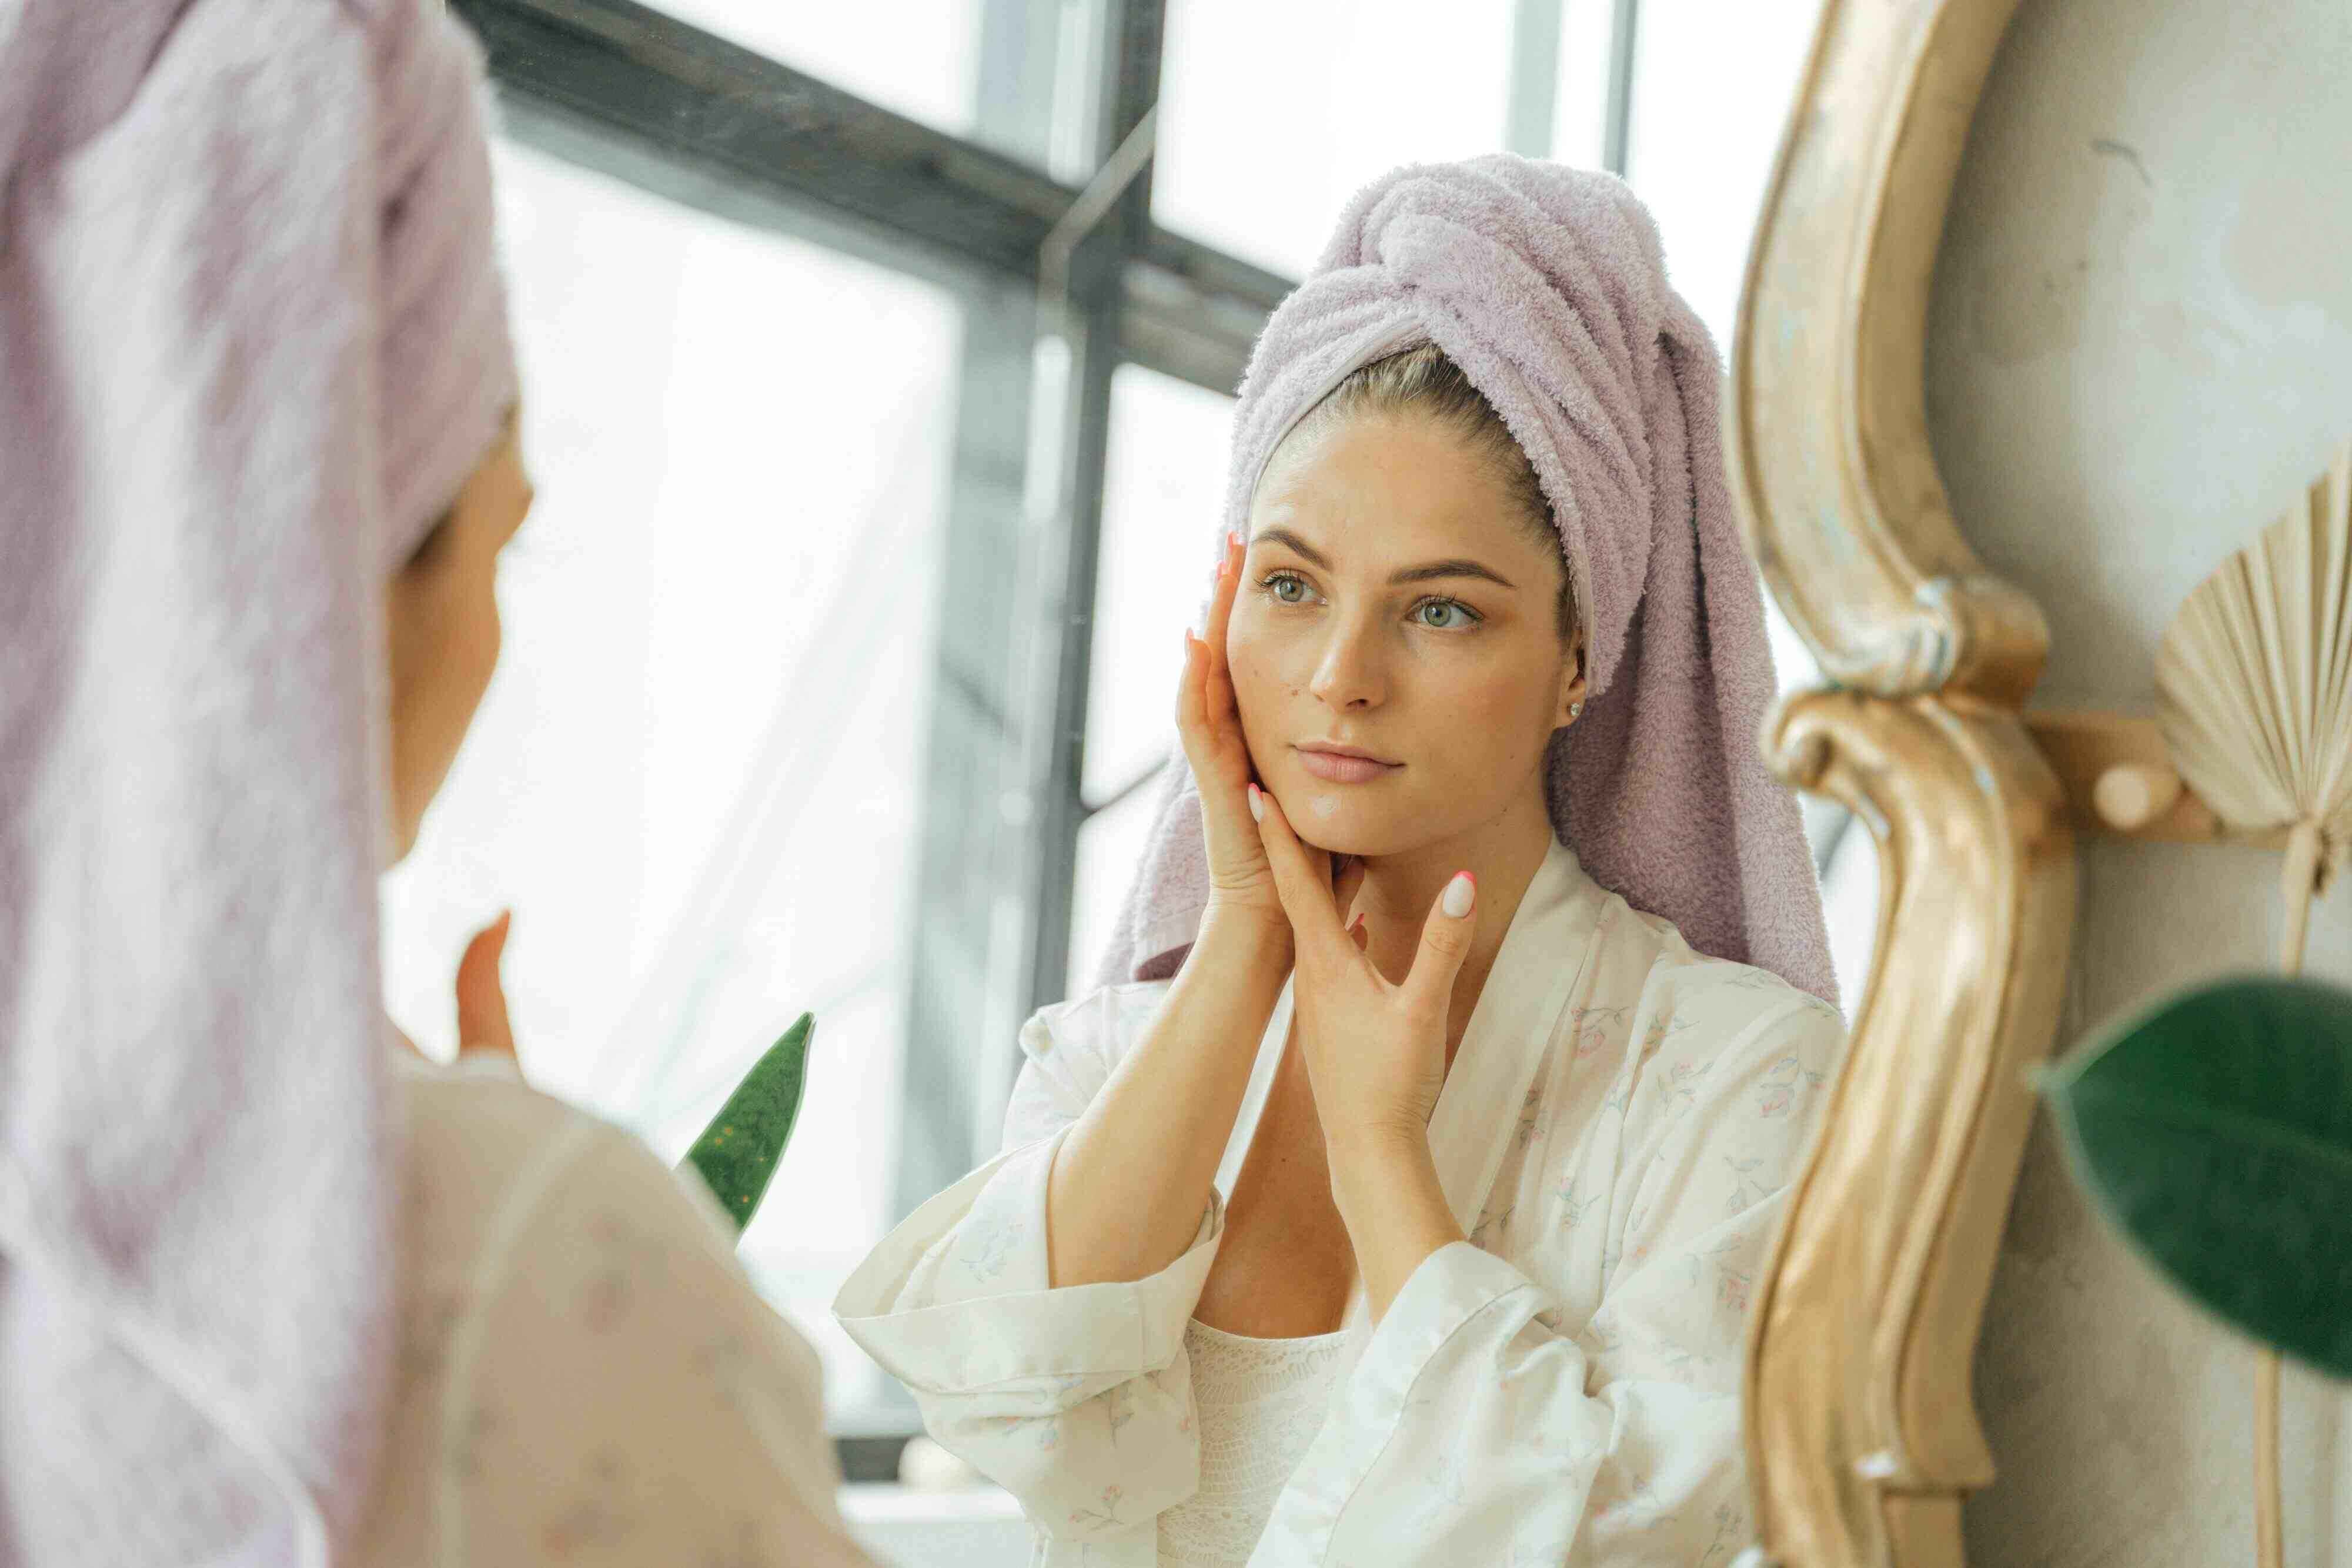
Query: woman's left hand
{"type": "Point", "coordinates": [1375, 1049]}
{"type": "Point", "coordinates": [1375, 1055]}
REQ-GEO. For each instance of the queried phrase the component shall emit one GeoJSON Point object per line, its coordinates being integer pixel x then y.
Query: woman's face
{"type": "Point", "coordinates": [441, 615]}
{"type": "Point", "coordinates": [1395, 602]}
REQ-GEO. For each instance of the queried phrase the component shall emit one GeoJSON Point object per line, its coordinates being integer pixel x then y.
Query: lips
{"type": "Point", "coordinates": [1339, 768]}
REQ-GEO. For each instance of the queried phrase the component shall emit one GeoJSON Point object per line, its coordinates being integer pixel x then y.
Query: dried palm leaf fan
{"type": "Point", "coordinates": [2253, 684]}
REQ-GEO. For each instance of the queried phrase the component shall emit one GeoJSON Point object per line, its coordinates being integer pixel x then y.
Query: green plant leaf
{"type": "Point", "coordinates": [738, 1153]}
{"type": "Point", "coordinates": [2214, 1130]}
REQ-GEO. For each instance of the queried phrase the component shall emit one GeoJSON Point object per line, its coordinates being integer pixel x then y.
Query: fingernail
{"type": "Point", "coordinates": [1459, 893]}
{"type": "Point", "coordinates": [1257, 804]}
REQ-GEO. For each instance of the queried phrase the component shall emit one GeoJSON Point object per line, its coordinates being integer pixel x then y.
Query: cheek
{"type": "Point", "coordinates": [1253, 661]}
{"type": "Point", "coordinates": [1490, 727]}
{"type": "Point", "coordinates": [488, 633]}
{"type": "Point", "coordinates": [1271, 670]}
{"type": "Point", "coordinates": [465, 654]}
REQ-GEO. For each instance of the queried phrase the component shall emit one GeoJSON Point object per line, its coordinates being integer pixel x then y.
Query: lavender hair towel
{"type": "Point", "coordinates": [1546, 284]}
{"type": "Point", "coordinates": [251, 343]}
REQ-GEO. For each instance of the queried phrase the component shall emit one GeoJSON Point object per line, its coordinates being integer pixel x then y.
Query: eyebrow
{"type": "Point", "coordinates": [1427, 572]}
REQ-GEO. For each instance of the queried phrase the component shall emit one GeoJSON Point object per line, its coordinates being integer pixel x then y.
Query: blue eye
{"type": "Point", "coordinates": [1276, 582]}
{"type": "Point", "coordinates": [1466, 616]}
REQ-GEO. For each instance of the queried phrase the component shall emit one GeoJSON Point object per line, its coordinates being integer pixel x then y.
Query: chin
{"type": "Point", "coordinates": [1357, 823]}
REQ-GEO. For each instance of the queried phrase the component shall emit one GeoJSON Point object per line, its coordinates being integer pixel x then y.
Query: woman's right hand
{"type": "Point", "coordinates": [1208, 722]}
{"type": "Point", "coordinates": [482, 1022]}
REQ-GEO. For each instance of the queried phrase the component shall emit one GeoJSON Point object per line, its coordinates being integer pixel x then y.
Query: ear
{"type": "Point", "coordinates": [1571, 684]}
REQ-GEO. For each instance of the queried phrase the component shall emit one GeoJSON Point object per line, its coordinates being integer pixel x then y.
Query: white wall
{"type": "Point", "coordinates": [2141, 352]}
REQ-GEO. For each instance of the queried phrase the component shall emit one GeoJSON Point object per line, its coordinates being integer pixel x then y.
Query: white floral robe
{"type": "Point", "coordinates": [1615, 1136]}
{"type": "Point", "coordinates": [585, 1374]}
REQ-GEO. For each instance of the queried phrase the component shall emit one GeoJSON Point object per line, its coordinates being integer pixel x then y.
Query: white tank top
{"type": "Point", "coordinates": [1258, 1403]}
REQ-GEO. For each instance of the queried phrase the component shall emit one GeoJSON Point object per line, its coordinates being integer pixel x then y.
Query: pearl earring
{"type": "Point", "coordinates": [1575, 708]}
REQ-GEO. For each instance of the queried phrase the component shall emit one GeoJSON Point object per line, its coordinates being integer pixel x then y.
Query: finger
{"type": "Point", "coordinates": [1306, 893]}
{"type": "Point", "coordinates": [1444, 943]}
{"type": "Point", "coordinates": [482, 1023]}
{"type": "Point", "coordinates": [1198, 728]}
{"type": "Point", "coordinates": [1190, 708]}
{"type": "Point", "coordinates": [1221, 603]}
{"type": "Point", "coordinates": [1218, 767]}
{"type": "Point", "coordinates": [1222, 704]}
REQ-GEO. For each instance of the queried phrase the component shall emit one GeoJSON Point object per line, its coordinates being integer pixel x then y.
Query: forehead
{"type": "Point", "coordinates": [1384, 489]}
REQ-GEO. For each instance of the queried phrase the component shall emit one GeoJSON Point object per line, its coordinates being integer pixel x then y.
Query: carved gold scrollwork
{"type": "Point", "coordinates": [1861, 1429]}
{"type": "Point", "coordinates": [1862, 1435]}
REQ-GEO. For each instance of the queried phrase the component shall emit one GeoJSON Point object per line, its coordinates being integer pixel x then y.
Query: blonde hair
{"type": "Point", "coordinates": [1424, 382]}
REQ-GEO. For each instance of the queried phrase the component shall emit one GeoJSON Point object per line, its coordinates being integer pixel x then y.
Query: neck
{"type": "Point", "coordinates": [1399, 891]}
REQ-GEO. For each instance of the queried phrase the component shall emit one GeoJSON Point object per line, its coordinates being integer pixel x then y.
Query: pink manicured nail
{"type": "Point", "coordinates": [1459, 895]}
{"type": "Point", "coordinates": [1257, 803]}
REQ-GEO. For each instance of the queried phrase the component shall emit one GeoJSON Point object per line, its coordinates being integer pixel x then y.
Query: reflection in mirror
{"type": "Point", "coordinates": [1164, 480]}
{"type": "Point", "coordinates": [1354, 1119]}
{"type": "Point", "coordinates": [917, 57]}
{"type": "Point", "coordinates": [776, 646]}
{"type": "Point", "coordinates": [1844, 854]}
{"type": "Point", "coordinates": [1706, 188]}
{"type": "Point", "coordinates": [1302, 69]}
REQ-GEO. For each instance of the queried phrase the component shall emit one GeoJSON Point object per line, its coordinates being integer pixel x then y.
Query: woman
{"type": "Point", "coordinates": [582, 1370]}
{"type": "Point", "coordinates": [1399, 1203]}
{"type": "Point", "coordinates": [266, 1297]}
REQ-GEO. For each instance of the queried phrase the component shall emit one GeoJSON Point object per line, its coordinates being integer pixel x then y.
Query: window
{"type": "Point", "coordinates": [697, 774]}
{"type": "Point", "coordinates": [1712, 86]}
{"type": "Point", "coordinates": [784, 636]}
{"type": "Point", "coordinates": [1711, 89]}
{"type": "Point", "coordinates": [919, 58]}
{"type": "Point", "coordinates": [1581, 106]}
{"type": "Point", "coordinates": [1272, 116]}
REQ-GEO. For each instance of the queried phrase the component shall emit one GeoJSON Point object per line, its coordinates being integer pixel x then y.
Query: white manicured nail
{"type": "Point", "coordinates": [1257, 804]}
{"type": "Point", "coordinates": [1458, 894]}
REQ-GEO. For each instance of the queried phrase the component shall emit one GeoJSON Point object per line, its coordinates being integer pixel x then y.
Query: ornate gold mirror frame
{"type": "Point", "coordinates": [1863, 1438]}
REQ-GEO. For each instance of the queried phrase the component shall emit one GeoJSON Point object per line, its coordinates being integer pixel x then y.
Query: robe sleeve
{"type": "Point", "coordinates": [1478, 1425]}
{"type": "Point", "coordinates": [584, 1369]}
{"type": "Point", "coordinates": [1078, 1400]}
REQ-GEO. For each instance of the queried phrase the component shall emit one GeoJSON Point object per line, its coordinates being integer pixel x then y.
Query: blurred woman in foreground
{"type": "Point", "coordinates": [270, 1293]}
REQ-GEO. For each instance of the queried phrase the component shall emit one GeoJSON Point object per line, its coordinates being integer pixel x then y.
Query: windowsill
{"type": "Point", "coordinates": [972, 1527]}
{"type": "Point", "coordinates": [864, 1502]}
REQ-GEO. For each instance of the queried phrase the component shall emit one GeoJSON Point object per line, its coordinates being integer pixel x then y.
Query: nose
{"type": "Point", "coordinates": [1349, 672]}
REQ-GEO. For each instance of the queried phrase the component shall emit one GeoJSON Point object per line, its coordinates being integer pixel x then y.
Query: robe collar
{"type": "Point", "coordinates": [1547, 948]}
